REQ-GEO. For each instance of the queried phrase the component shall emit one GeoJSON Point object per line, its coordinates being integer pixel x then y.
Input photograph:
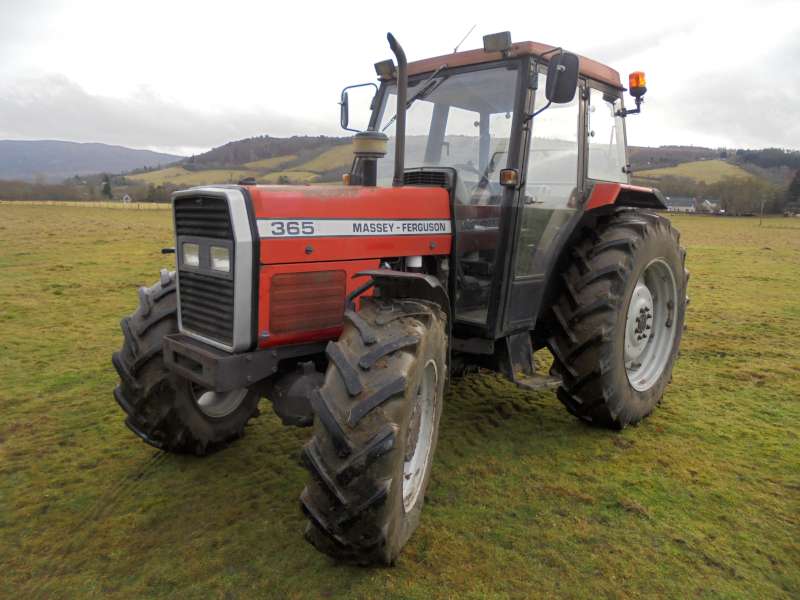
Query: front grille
{"type": "Point", "coordinates": [206, 301]}
{"type": "Point", "coordinates": [426, 178]}
{"type": "Point", "coordinates": [207, 306]}
{"type": "Point", "coordinates": [203, 216]}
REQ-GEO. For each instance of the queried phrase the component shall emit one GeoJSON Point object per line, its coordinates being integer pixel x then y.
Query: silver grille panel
{"type": "Point", "coordinates": [212, 307]}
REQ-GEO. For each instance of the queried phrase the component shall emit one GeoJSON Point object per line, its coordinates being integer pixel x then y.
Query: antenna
{"type": "Point", "coordinates": [471, 29]}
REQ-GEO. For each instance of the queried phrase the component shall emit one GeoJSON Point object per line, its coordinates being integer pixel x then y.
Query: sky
{"type": "Point", "coordinates": [179, 76]}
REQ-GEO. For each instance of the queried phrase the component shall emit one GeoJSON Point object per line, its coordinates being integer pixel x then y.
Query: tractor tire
{"type": "Point", "coordinates": [617, 324]}
{"type": "Point", "coordinates": [375, 430]}
{"type": "Point", "coordinates": [165, 410]}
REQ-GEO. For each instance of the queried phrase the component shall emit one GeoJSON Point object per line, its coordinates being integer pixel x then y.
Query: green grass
{"type": "Point", "coordinates": [707, 171]}
{"type": "Point", "coordinates": [293, 177]}
{"type": "Point", "coordinates": [702, 499]}
{"type": "Point", "coordinates": [337, 157]}
{"type": "Point", "coordinates": [266, 164]}
{"type": "Point", "coordinates": [181, 176]}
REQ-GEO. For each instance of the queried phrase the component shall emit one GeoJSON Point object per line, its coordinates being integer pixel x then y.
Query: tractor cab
{"type": "Point", "coordinates": [519, 157]}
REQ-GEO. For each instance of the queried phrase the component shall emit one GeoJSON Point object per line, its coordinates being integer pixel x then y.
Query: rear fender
{"type": "Point", "coordinates": [623, 194]}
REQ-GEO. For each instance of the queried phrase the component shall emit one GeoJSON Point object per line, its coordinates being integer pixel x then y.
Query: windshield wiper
{"type": "Point", "coordinates": [425, 90]}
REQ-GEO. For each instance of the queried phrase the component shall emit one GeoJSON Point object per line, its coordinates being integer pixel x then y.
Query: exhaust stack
{"type": "Point", "coordinates": [400, 123]}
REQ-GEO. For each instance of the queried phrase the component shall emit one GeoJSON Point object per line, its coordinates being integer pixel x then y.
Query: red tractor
{"type": "Point", "coordinates": [500, 221]}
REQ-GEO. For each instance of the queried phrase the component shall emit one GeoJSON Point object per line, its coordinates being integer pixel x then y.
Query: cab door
{"type": "Point", "coordinates": [549, 201]}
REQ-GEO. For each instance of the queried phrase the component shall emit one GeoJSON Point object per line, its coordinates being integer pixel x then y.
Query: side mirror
{"type": "Point", "coordinates": [562, 78]}
{"type": "Point", "coordinates": [344, 110]}
{"type": "Point", "coordinates": [363, 102]}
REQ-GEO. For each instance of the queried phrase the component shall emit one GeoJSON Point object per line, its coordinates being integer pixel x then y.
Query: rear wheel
{"type": "Point", "coordinates": [617, 325]}
{"type": "Point", "coordinates": [375, 431]}
{"type": "Point", "coordinates": [167, 411]}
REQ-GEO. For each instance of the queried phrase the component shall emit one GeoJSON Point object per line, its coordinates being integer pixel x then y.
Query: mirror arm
{"type": "Point", "coordinates": [533, 114]}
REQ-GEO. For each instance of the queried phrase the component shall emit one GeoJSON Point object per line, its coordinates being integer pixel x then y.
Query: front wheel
{"type": "Point", "coordinates": [375, 430]}
{"type": "Point", "coordinates": [617, 325]}
{"type": "Point", "coordinates": [166, 411]}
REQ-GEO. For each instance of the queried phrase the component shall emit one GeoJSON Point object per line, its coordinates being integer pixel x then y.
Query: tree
{"type": "Point", "coordinates": [793, 193]}
{"type": "Point", "coordinates": [105, 188]}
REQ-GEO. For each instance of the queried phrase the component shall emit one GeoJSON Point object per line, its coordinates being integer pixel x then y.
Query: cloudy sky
{"type": "Point", "coordinates": [185, 76]}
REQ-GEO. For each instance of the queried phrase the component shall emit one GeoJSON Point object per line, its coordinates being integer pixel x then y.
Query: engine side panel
{"type": "Point", "coordinates": [305, 310]}
{"type": "Point", "coordinates": [324, 223]}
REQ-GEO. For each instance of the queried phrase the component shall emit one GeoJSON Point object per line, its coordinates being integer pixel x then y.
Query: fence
{"type": "Point", "coordinates": [89, 204]}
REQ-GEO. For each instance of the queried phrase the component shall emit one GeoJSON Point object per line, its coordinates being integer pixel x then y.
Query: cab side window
{"type": "Point", "coordinates": [551, 181]}
{"type": "Point", "coordinates": [606, 138]}
{"type": "Point", "coordinates": [553, 160]}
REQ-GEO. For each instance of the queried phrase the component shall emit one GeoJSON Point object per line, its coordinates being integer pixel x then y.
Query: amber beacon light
{"type": "Point", "coordinates": [637, 84]}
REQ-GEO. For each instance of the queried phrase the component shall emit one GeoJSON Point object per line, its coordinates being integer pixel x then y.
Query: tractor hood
{"type": "Point", "coordinates": [335, 222]}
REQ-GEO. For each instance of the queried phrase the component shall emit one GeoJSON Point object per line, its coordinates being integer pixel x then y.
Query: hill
{"type": "Point", "coordinates": [299, 159]}
{"type": "Point", "coordinates": [705, 171]}
{"type": "Point", "coordinates": [645, 157]}
{"type": "Point", "coordinates": [51, 160]}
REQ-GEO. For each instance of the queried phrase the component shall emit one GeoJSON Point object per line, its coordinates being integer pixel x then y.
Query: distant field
{"type": "Point", "coordinates": [275, 162]}
{"type": "Point", "coordinates": [181, 176]}
{"type": "Point", "coordinates": [293, 177]}
{"type": "Point", "coordinates": [707, 171]}
{"type": "Point", "coordinates": [701, 500]}
{"type": "Point", "coordinates": [336, 157]}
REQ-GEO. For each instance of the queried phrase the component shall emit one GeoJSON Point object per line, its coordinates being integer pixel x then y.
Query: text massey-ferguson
{"type": "Point", "coordinates": [499, 220]}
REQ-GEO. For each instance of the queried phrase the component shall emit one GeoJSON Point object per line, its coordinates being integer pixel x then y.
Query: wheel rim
{"type": "Point", "coordinates": [216, 405]}
{"type": "Point", "coordinates": [650, 325]}
{"type": "Point", "coordinates": [420, 436]}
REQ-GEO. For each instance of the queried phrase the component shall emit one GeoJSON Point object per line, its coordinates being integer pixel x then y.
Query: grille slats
{"type": "Point", "coordinates": [426, 178]}
{"type": "Point", "coordinates": [206, 302]}
{"type": "Point", "coordinates": [207, 306]}
{"type": "Point", "coordinates": [203, 216]}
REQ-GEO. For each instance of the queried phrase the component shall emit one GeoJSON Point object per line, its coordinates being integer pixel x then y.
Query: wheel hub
{"type": "Point", "coordinates": [649, 331]}
{"type": "Point", "coordinates": [639, 323]}
{"type": "Point", "coordinates": [217, 405]}
{"type": "Point", "coordinates": [419, 436]}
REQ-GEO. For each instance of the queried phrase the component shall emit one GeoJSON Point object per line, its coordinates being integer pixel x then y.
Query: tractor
{"type": "Point", "coordinates": [488, 214]}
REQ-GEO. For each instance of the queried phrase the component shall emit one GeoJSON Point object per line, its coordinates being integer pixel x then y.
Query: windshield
{"type": "Point", "coordinates": [454, 120]}
{"type": "Point", "coordinates": [463, 121]}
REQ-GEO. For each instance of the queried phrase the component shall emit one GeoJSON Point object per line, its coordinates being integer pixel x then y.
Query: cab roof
{"type": "Point", "coordinates": [588, 67]}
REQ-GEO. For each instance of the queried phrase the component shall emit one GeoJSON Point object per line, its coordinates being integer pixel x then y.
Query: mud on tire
{"type": "Point", "coordinates": [590, 316]}
{"type": "Point", "coordinates": [376, 424]}
{"type": "Point", "coordinates": [161, 407]}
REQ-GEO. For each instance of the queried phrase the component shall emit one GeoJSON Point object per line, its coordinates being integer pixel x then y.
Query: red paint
{"type": "Point", "coordinates": [350, 202]}
{"type": "Point", "coordinates": [351, 267]}
{"type": "Point", "coordinates": [604, 193]}
{"type": "Point", "coordinates": [295, 250]}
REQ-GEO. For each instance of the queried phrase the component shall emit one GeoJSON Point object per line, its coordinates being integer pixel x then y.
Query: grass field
{"type": "Point", "coordinates": [707, 171]}
{"type": "Point", "coordinates": [337, 157]}
{"type": "Point", "coordinates": [181, 176]}
{"type": "Point", "coordinates": [703, 499]}
{"type": "Point", "coordinates": [276, 162]}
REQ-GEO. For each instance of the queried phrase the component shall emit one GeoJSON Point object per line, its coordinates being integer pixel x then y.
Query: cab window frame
{"type": "Point", "coordinates": [609, 90]}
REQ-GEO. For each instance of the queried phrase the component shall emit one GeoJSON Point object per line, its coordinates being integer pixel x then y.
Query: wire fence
{"type": "Point", "coordinates": [91, 204]}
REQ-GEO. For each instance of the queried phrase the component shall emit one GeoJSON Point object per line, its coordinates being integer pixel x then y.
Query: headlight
{"type": "Point", "coordinates": [191, 255]}
{"type": "Point", "coordinates": [220, 259]}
